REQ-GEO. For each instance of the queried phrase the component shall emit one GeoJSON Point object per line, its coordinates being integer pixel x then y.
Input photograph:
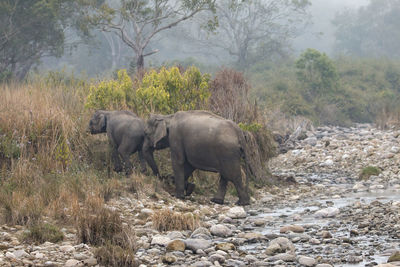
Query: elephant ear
{"type": "Point", "coordinates": [160, 132]}
{"type": "Point", "coordinates": [103, 122]}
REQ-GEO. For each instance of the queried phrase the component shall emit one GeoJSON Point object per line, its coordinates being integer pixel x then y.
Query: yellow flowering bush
{"type": "Point", "coordinates": [112, 94]}
{"type": "Point", "coordinates": [164, 91]}
{"type": "Point", "coordinates": [169, 90]}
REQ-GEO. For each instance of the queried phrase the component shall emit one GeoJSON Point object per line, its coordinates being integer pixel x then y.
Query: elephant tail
{"type": "Point", "coordinates": [251, 156]}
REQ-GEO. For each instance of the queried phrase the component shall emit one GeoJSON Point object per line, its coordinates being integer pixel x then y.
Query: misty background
{"type": "Point", "coordinates": [92, 59]}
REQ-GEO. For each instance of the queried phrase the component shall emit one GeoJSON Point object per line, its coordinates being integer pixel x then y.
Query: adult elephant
{"type": "Point", "coordinates": [201, 140]}
{"type": "Point", "coordinates": [125, 130]}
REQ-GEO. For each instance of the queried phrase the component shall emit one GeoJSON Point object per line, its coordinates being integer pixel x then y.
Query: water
{"type": "Point", "coordinates": [366, 247]}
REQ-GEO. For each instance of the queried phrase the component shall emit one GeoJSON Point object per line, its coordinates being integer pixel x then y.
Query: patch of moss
{"type": "Point", "coordinates": [368, 172]}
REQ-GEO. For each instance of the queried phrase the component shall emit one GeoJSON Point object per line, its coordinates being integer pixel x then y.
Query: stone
{"type": "Point", "coordinates": [292, 228]}
{"type": "Point", "coordinates": [175, 235]}
{"type": "Point", "coordinates": [323, 265]}
{"type": "Point", "coordinates": [176, 245]}
{"type": "Point", "coordinates": [78, 256]}
{"type": "Point", "coordinates": [394, 257]}
{"type": "Point", "coordinates": [72, 262]}
{"type": "Point", "coordinates": [217, 257]}
{"type": "Point", "coordinates": [280, 245]}
{"type": "Point", "coordinates": [201, 264]}
{"type": "Point", "coordinates": [327, 212]}
{"type": "Point", "coordinates": [160, 240]}
{"type": "Point", "coordinates": [326, 234]}
{"type": "Point", "coordinates": [259, 222]}
{"type": "Point", "coordinates": [20, 254]}
{"type": "Point", "coordinates": [236, 213]}
{"type": "Point", "coordinates": [250, 258]}
{"type": "Point", "coordinates": [39, 255]}
{"type": "Point", "coordinates": [273, 249]}
{"type": "Point", "coordinates": [385, 265]}
{"type": "Point", "coordinates": [307, 261]}
{"type": "Point", "coordinates": [90, 261]}
{"type": "Point", "coordinates": [252, 237]}
{"type": "Point", "coordinates": [327, 163]}
{"type": "Point", "coordinates": [220, 230]}
{"type": "Point", "coordinates": [234, 263]}
{"type": "Point", "coordinates": [10, 255]}
{"type": "Point", "coordinates": [195, 244]}
{"type": "Point", "coordinates": [200, 231]}
{"type": "Point", "coordinates": [312, 141]}
{"type": "Point", "coordinates": [225, 246]}
{"type": "Point", "coordinates": [168, 259]}
{"type": "Point", "coordinates": [286, 257]}
{"type": "Point", "coordinates": [67, 248]}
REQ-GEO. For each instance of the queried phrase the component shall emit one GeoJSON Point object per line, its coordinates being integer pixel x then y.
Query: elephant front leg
{"type": "Point", "coordinates": [149, 157]}
{"type": "Point", "coordinates": [179, 176]}
{"type": "Point", "coordinates": [220, 195]}
{"type": "Point", "coordinates": [142, 162]}
{"type": "Point", "coordinates": [127, 163]}
{"type": "Point", "coordinates": [116, 160]}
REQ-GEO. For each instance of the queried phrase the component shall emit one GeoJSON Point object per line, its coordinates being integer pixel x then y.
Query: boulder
{"type": "Point", "coordinates": [236, 213]}
{"type": "Point", "coordinates": [220, 230]}
{"type": "Point", "coordinates": [280, 245]}
{"type": "Point", "coordinates": [195, 244]}
{"type": "Point", "coordinates": [176, 245]}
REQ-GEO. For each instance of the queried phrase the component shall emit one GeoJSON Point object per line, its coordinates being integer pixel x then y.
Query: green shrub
{"type": "Point", "coordinates": [251, 127]}
{"type": "Point", "coordinates": [111, 94]}
{"type": "Point", "coordinates": [368, 172]}
{"type": "Point", "coordinates": [42, 232]}
{"type": "Point", "coordinates": [164, 91]}
{"type": "Point", "coordinates": [169, 90]}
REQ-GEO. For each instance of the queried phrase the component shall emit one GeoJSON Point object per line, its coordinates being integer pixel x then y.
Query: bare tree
{"type": "Point", "coordinates": [136, 22]}
{"type": "Point", "coordinates": [267, 25]}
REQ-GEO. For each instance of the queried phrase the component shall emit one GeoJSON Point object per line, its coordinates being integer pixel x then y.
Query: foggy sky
{"type": "Point", "coordinates": [320, 35]}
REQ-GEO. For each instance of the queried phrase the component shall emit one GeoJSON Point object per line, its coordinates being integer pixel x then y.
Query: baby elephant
{"type": "Point", "coordinates": [125, 131]}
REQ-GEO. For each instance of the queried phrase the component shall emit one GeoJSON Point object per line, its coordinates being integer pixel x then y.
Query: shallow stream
{"type": "Point", "coordinates": [343, 248]}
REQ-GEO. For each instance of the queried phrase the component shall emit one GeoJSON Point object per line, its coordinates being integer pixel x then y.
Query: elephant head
{"type": "Point", "coordinates": [156, 131]}
{"type": "Point", "coordinates": [98, 122]}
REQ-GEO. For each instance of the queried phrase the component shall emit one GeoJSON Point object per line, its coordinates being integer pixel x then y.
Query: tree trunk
{"type": "Point", "coordinates": [140, 62]}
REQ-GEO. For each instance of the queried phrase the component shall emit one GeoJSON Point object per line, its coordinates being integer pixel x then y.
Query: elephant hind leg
{"type": "Point", "coordinates": [220, 195]}
{"type": "Point", "coordinates": [232, 172]}
{"type": "Point", "coordinates": [189, 187]}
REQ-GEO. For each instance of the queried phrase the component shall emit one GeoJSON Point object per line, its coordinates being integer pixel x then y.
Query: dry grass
{"type": "Point", "coordinates": [44, 156]}
{"type": "Point", "coordinates": [168, 220]}
{"type": "Point", "coordinates": [100, 226]}
{"type": "Point", "coordinates": [42, 232]}
{"type": "Point", "coordinates": [230, 97]}
{"type": "Point", "coordinates": [388, 118]}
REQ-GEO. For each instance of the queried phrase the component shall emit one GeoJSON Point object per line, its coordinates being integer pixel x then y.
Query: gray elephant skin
{"type": "Point", "coordinates": [201, 140]}
{"type": "Point", "coordinates": [125, 131]}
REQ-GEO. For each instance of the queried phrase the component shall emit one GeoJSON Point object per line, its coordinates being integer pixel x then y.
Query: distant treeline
{"type": "Point", "coordinates": [330, 91]}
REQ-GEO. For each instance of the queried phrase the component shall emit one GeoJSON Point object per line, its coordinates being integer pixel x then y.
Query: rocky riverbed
{"type": "Point", "coordinates": [328, 217]}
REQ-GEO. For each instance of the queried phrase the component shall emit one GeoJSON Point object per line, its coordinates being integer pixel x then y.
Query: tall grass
{"type": "Point", "coordinates": [44, 166]}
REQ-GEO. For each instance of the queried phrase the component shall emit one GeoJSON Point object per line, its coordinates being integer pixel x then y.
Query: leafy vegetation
{"type": "Point", "coordinates": [329, 91]}
{"type": "Point", "coordinates": [368, 172]}
{"type": "Point", "coordinates": [170, 90]}
{"type": "Point", "coordinates": [163, 91]}
{"type": "Point", "coordinates": [30, 30]}
{"type": "Point", "coordinates": [43, 232]}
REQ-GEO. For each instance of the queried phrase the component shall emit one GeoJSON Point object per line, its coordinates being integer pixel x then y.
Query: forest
{"type": "Point", "coordinates": [270, 66]}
